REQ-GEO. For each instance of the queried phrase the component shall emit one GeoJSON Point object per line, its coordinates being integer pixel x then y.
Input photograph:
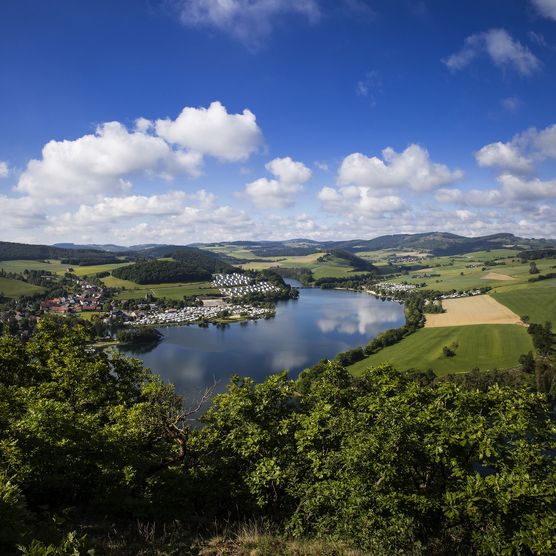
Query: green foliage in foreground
{"type": "Point", "coordinates": [487, 346]}
{"type": "Point", "coordinates": [384, 463]}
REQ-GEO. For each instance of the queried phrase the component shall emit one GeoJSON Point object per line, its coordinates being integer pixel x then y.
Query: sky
{"type": "Point", "coordinates": [182, 121]}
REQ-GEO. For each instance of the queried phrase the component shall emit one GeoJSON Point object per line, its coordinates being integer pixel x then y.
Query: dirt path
{"type": "Point", "coordinates": [480, 309]}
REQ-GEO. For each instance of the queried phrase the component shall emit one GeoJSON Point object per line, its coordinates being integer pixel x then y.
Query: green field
{"type": "Point", "coordinates": [16, 288]}
{"type": "Point", "coordinates": [485, 346]}
{"type": "Point", "coordinates": [20, 265]}
{"type": "Point", "coordinates": [334, 267]}
{"type": "Point", "coordinates": [56, 267]}
{"type": "Point", "coordinates": [170, 291]}
{"type": "Point", "coordinates": [538, 300]}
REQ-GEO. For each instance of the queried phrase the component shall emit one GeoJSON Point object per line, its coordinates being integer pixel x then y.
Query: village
{"type": "Point", "coordinates": [190, 315]}
{"type": "Point", "coordinates": [239, 285]}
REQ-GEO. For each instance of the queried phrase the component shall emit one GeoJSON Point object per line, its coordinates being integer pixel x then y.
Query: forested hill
{"type": "Point", "coordinates": [441, 243]}
{"type": "Point", "coordinates": [188, 265]}
{"type": "Point", "coordinates": [14, 251]}
{"type": "Point", "coordinates": [356, 262]}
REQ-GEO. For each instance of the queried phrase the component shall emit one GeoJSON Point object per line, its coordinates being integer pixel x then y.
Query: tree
{"type": "Point", "coordinates": [386, 462]}
{"type": "Point", "coordinates": [533, 268]}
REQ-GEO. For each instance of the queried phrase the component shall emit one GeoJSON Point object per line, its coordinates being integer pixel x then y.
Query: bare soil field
{"type": "Point", "coordinates": [480, 309]}
{"type": "Point", "coordinates": [496, 276]}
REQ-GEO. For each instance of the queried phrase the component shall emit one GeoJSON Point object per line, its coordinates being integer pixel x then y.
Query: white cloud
{"type": "Point", "coordinates": [96, 163]}
{"type": "Point", "coordinates": [113, 209]}
{"type": "Point", "coordinates": [4, 169]}
{"type": "Point", "coordinates": [501, 48]}
{"type": "Point", "coordinates": [546, 7]}
{"type": "Point", "coordinates": [246, 20]}
{"type": "Point", "coordinates": [281, 191]}
{"type": "Point", "coordinates": [412, 168]}
{"type": "Point", "coordinates": [104, 162]}
{"type": "Point", "coordinates": [520, 154]}
{"type": "Point", "coordinates": [472, 197]}
{"type": "Point", "coordinates": [523, 189]}
{"type": "Point", "coordinates": [20, 213]}
{"type": "Point", "coordinates": [503, 155]}
{"type": "Point", "coordinates": [544, 141]}
{"type": "Point", "coordinates": [358, 199]}
{"type": "Point", "coordinates": [212, 131]}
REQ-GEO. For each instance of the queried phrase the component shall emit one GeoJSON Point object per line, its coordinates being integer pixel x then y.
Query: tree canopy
{"type": "Point", "coordinates": [388, 463]}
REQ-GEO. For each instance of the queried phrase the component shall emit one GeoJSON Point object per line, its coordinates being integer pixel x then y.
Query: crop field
{"type": "Point", "coordinates": [170, 291]}
{"type": "Point", "coordinates": [480, 309]}
{"type": "Point", "coordinates": [457, 277]}
{"type": "Point", "coordinates": [93, 269]}
{"type": "Point", "coordinates": [537, 300]}
{"type": "Point", "coordinates": [17, 288]}
{"type": "Point", "coordinates": [483, 346]}
{"type": "Point", "coordinates": [56, 267]}
{"type": "Point", "coordinates": [334, 267]}
{"type": "Point", "coordinates": [232, 251]}
{"type": "Point", "coordinates": [19, 266]}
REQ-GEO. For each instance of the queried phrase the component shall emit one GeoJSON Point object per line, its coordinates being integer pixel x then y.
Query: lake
{"type": "Point", "coordinates": [320, 324]}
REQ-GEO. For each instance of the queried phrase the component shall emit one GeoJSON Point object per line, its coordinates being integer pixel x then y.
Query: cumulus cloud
{"type": "Point", "coordinates": [281, 191]}
{"type": "Point", "coordinates": [20, 213]}
{"type": "Point", "coordinates": [169, 217]}
{"type": "Point", "coordinates": [93, 163]}
{"type": "Point", "coordinates": [113, 209]}
{"type": "Point", "coordinates": [500, 47]}
{"type": "Point", "coordinates": [212, 131]}
{"type": "Point", "coordinates": [4, 169]}
{"type": "Point", "coordinates": [246, 20]}
{"type": "Point", "coordinates": [104, 162]}
{"type": "Point", "coordinates": [520, 154]}
{"type": "Point", "coordinates": [472, 197]}
{"type": "Point", "coordinates": [503, 155]}
{"type": "Point", "coordinates": [520, 188]}
{"type": "Point", "coordinates": [411, 168]}
{"type": "Point", "coordinates": [359, 199]}
{"type": "Point", "coordinates": [547, 8]}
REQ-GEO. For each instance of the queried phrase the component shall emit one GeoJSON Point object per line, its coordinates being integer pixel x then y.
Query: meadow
{"type": "Point", "coordinates": [486, 346]}
{"type": "Point", "coordinates": [537, 300]}
{"type": "Point", "coordinates": [16, 288]}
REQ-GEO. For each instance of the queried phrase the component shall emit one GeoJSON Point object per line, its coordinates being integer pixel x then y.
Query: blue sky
{"type": "Point", "coordinates": [207, 120]}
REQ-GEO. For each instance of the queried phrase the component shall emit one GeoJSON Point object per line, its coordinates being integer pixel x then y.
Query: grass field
{"type": "Point", "coordinates": [485, 346]}
{"type": "Point", "coordinates": [170, 291]}
{"type": "Point", "coordinates": [56, 267]}
{"type": "Point", "coordinates": [16, 288]}
{"type": "Point", "coordinates": [334, 267]}
{"type": "Point", "coordinates": [20, 265]}
{"type": "Point", "coordinates": [538, 300]}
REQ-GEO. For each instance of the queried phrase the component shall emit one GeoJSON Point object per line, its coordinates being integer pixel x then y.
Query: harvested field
{"type": "Point", "coordinates": [496, 276]}
{"type": "Point", "coordinates": [480, 309]}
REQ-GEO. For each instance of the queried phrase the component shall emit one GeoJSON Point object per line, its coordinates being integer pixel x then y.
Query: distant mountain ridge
{"type": "Point", "coordinates": [436, 243]}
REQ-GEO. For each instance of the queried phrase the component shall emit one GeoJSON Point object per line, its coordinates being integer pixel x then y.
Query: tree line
{"type": "Point", "coordinates": [388, 463]}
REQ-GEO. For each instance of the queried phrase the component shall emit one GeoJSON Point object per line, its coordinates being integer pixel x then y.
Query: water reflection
{"type": "Point", "coordinates": [360, 318]}
{"type": "Point", "coordinates": [320, 324]}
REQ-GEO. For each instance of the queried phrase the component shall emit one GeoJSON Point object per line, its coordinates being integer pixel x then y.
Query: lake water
{"type": "Point", "coordinates": [320, 324]}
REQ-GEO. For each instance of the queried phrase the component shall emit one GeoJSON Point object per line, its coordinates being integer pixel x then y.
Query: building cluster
{"type": "Point", "coordinates": [240, 285]}
{"type": "Point", "coordinates": [88, 298]}
{"type": "Point", "coordinates": [242, 291]}
{"type": "Point", "coordinates": [389, 288]}
{"type": "Point", "coordinates": [230, 280]}
{"type": "Point", "coordinates": [455, 295]}
{"type": "Point", "coordinates": [189, 315]}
